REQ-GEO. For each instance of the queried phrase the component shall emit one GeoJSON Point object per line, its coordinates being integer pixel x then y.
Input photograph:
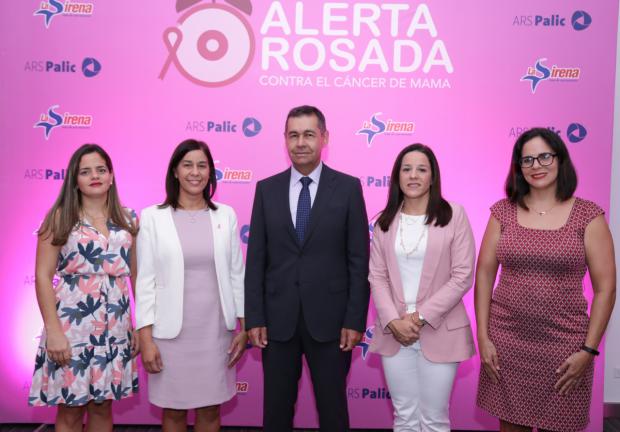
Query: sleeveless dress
{"type": "Point", "coordinates": [92, 301]}
{"type": "Point", "coordinates": [538, 318]}
{"type": "Point", "coordinates": [196, 372]}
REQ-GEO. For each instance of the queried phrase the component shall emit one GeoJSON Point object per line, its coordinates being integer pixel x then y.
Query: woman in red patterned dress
{"type": "Point", "coordinates": [536, 341]}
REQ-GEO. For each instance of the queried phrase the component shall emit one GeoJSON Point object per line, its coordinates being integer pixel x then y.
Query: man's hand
{"type": "Point", "coordinates": [349, 338]}
{"type": "Point", "coordinates": [258, 336]}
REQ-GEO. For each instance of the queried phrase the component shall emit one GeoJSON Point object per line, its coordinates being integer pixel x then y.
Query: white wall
{"type": "Point", "coordinates": [612, 347]}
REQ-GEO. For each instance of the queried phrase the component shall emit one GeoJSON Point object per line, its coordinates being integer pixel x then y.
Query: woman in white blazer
{"type": "Point", "coordinates": [189, 294]}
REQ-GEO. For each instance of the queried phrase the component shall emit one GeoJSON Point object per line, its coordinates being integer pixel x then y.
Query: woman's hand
{"type": "Point", "coordinates": [415, 317]}
{"type": "Point", "coordinates": [135, 342]}
{"type": "Point", "coordinates": [237, 347]}
{"type": "Point", "coordinates": [572, 371]}
{"type": "Point", "coordinates": [58, 347]}
{"type": "Point", "coordinates": [151, 359]}
{"type": "Point", "coordinates": [405, 331]}
{"type": "Point", "coordinates": [488, 357]}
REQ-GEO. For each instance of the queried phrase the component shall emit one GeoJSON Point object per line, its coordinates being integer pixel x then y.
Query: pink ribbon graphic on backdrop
{"type": "Point", "coordinates": [172, 48]}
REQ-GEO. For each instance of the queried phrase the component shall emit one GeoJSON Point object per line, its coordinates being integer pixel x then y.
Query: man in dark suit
{"type": "Point", "coordinates": [306, 280]}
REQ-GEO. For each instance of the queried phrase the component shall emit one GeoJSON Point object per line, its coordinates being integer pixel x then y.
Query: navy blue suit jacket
{"type": "Point", "coordinates": [326, 276]}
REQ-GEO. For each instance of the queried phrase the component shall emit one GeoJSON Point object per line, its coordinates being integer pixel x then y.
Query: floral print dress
{"type": "Point", "coordinates": [92, 302]}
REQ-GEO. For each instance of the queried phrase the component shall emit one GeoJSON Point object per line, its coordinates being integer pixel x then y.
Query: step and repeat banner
{"type": "Point", "coordinates": [139, 77]}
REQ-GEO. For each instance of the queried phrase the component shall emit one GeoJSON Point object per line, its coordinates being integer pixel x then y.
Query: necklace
{"type": "Point", "coordinates": [92, 219]}
{"type": "Point", "coordinates": [408, 253]}
{"type": "Point", "coordinates": [410, 220]}
{"type": "Point", "coordinates": [544, 212]}
{"type": "Point", "coordinates": [193, 215]}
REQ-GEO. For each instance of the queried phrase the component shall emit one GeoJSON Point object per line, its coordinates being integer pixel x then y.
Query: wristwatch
{"type": "Point", "coordinates": [421, 318]}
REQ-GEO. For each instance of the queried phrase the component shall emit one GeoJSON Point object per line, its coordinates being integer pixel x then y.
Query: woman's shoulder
{"type": "Point", "coordinates": [587, 210]}
{"type": "Point", "coordinates": [501, 207]}
{"type": "Point", "coordinates": [153, 211]}
{"type": "Point", "coordinates": [457, 208]}
{"type": "Point", "coordinates": [130, 213]}
{"type": "Point", "coordinates": [224, 209]}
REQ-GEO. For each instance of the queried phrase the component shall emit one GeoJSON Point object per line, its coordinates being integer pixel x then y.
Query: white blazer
{"type": "Point", "coordinates": [160, 279]}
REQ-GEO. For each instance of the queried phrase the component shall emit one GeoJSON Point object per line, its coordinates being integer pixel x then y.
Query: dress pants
{"type": "Point", "coordinates": [420, 390]}
{"type": "Point", "coordinates": [282, 366]}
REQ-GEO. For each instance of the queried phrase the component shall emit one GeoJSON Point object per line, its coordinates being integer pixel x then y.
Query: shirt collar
{"type": "Point", "coordinates": [315, 175]}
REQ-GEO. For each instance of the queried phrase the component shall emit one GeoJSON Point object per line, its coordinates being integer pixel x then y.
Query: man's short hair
{"type": "Point", "coordinates": [307, 110]}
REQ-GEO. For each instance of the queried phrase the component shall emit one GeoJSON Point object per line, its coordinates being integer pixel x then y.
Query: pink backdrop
{"type": "Point", "coordinates": [138, 77]}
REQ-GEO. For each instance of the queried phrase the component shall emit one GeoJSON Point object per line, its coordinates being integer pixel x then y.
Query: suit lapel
{"type": "Point", "coordinates": [434, 246]}
{"type": "Point", "coordinates": [216, 229]}
{"type": "Point", "coordinates": [392, 261]}
{"type": "Point", "coordinates": [323, 195]}
{"type": "Point", "coordinates": [284, 207]}
{"type": "Point", "coordinates": [170, 231]}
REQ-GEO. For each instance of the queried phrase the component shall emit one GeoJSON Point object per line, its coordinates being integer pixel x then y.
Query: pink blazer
{"type": "Point", "coordinates": [447, 274]}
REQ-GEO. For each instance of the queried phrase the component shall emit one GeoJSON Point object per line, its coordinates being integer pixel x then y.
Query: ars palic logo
{"type": "Point", "coordinates": [580, 20]}
{"type": "Point", "coordinates": [212, 44]}
{"type": "Point", "coordinates": [576, 132]}
{"type": "Point", "coordinates": [90, 67]}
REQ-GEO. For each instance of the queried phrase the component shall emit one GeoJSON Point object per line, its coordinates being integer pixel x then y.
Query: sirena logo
{"type": "Point", "coordinates": [581, 20]}
{"type": "Point", "coordinates": [364, 344]}
{"type": "Point", "coordinates": [50, 9]}
{"type": "Point", "coordinates": [53, 120]}
{"type": "Point", "coordinates": [539, 73]}
{"type": "Point", "coordinates": [576, 132]}
{"type": "Point", "coordinates": [244, 233]}
{"type": "Point", "coordinates": [374, 127]}
{"type": "Point", "coordinates": [243, 387]}
{"type": "Point", "coordinates": [212, 44]}
{"type": "Point", "coordinates": [233, 175]}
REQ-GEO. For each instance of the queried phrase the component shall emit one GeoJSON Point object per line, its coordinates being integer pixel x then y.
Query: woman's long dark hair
{"type": "Point", "coordinates": [438, 209]}
{"type": "Point", "coordinates": [172, 183]}
{"type": "Point", "coordinates": [517, 187]}
{"type": "Point", "coordinates": [65, 213]}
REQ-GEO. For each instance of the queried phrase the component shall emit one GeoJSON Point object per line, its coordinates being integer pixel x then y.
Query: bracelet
{"type": "Point", "coordinates": [589, 350]}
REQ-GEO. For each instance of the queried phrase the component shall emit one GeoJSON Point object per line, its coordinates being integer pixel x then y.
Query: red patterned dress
{"type": "Point", "coordinates": [539, 317]}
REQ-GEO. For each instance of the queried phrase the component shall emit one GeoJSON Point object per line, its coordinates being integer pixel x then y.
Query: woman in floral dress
{"type": "Point", "coordinates": [86, 354]}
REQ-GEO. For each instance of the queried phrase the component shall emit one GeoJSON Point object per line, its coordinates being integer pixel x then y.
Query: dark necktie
{"type": "Point", "coordinates": [303, 209]}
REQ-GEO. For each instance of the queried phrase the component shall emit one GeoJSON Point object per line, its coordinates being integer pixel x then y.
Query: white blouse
{"type": "Point", "coordinates": [410, 247]}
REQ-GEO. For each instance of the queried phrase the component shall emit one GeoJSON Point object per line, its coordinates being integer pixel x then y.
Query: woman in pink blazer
{"type": "Point", "coordinates": [421, 265]}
